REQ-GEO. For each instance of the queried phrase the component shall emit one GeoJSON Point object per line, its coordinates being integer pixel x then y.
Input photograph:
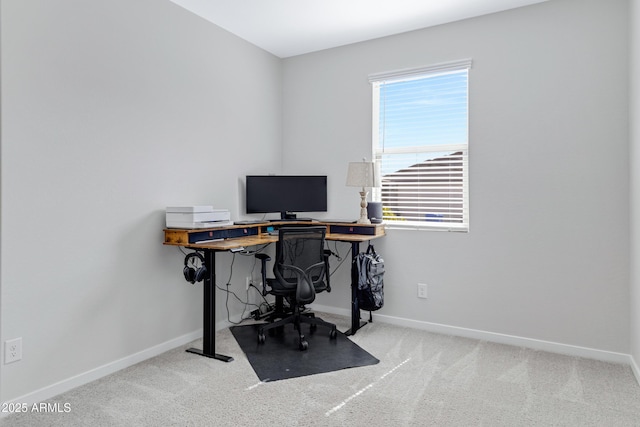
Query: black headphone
{"type": "Point", "coordinates": [194, 275]}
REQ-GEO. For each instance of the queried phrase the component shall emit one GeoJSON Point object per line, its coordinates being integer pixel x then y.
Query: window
{"type": "Point", "coordinates": [420, 146]}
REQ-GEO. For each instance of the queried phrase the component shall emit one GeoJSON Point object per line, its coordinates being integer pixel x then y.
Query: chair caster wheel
{"type": "Point", "coordinates": [333, 334]}
{"type": "Point", "coordinates": [303, 345]}
{"type": "Point", "coordinates": [261, 338]}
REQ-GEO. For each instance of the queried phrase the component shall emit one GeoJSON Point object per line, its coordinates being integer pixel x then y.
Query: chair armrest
{"type": "Point", "coordinates": [327, 272]}
{"type": "Point", "coordinates": [305, 291]}
{"type": "Point", "coordinates": [263, 270]}
{"type": "Point", "coordinates": [263, 257]}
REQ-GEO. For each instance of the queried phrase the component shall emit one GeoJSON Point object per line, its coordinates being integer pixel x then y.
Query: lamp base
{"type": "Point", "coordinates": [363, 208]}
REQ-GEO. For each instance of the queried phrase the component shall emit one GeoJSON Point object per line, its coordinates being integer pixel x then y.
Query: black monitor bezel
{"type": "Point", "coordinates": [299, 202]}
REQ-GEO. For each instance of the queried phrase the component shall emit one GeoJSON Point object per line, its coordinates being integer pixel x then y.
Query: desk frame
{"type": "Point", "coordinates": [356, 322]}
{"type": "Point", "coordinates": [209, 311]}
{"type": "Point", "coordinates": [180, 237]}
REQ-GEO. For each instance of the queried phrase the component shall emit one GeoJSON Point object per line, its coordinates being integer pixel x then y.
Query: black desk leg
{"type": "Point", "coordinates": [356, 323]}
{"type": "Point", "coordinates": [209, 312]}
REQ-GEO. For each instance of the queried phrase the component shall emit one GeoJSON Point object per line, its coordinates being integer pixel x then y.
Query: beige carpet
{"type": "Point", "coordinates": [423, 379]}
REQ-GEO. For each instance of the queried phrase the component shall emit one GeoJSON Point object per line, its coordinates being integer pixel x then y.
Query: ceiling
{"type": "Point", "coordinates": [293, 27]}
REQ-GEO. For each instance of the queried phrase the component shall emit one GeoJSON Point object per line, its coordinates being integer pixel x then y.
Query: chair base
{"type": "Point", "coordinates": [279, 311]}
{"type": "Point", "coordinates": [297, 319]}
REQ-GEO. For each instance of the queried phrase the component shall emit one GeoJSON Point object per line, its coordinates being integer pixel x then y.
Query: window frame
{"type": "Point", "coordinates": [378, 79]}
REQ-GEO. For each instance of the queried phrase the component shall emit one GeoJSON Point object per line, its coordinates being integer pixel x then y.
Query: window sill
{"type": "Point", "coordinates": [397, 225]}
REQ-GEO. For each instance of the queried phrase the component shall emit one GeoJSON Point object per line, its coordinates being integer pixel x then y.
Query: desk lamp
{"type": "Point", "coordinates": [361, 174]}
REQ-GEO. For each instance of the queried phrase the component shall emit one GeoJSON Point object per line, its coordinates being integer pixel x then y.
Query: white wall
{"type": "Point", "coordinates": [547, 255]}
{"type": "Point", "coordinates": [111, 111]}
{"type": "Point", "coordinates": [635, 182]}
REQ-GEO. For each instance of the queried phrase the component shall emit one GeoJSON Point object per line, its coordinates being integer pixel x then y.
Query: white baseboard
{"type": "Point", "coordinates": [552, 347]}
{"type": "Point", "coordinates": [52, 390]}
{"type": "Point", "coordinates": [635, 369]}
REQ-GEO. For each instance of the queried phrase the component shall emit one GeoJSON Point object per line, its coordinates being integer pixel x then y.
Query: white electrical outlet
{"type": "Point", "coordinates": [248, 283]}
{"type": "Point", "coordinates": [12, 350]}
{"type": "Point", "coordinates": [422, 290]}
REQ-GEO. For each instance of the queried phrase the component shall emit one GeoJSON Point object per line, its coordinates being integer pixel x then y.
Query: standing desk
{"type": "Point", "coordinates": [236, 236]}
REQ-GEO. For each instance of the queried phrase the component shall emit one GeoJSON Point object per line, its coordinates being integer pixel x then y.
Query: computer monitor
{"type": "Point", "coordinates": [286, 194]}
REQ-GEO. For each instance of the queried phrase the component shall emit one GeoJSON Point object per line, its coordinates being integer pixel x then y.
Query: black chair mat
{"type": "Point", "coordinates": [280, 358]}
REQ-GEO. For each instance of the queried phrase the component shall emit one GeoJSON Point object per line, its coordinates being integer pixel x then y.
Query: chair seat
{"type": "Point", "coordinates": [277, 288]}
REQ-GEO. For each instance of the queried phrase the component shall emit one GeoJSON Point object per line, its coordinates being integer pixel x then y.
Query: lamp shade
{"type": "Point", "coordinates": [361, 174]}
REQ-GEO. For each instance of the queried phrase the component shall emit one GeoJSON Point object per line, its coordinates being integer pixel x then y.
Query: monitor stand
{"type": "Point", "coordinates": [288, 216]}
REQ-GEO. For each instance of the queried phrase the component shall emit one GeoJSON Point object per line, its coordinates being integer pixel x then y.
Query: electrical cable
{"type": "Point", "coordinates": [341, 259]}
{"type": "Point", "coordinates": [246, 303]}
{"type": "Point", "coordinates": [227, 291]}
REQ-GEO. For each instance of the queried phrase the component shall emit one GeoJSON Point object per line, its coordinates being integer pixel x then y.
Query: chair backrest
{"type": "Point", "coordinates": [300, 261]}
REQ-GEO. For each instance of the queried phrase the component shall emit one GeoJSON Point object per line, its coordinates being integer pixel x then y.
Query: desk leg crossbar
{"type": "Point", "coordinates": [209, 312]}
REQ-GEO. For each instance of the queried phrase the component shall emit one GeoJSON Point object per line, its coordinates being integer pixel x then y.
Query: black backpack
{"type": "Point", "coordinates": [370, 280]}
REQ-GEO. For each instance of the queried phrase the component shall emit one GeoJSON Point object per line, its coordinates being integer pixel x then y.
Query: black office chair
{"type": "Point", "coordinates": [301, 270]}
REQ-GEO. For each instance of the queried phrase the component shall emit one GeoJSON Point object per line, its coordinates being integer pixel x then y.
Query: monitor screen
{"type": "Point", "coordinates": [286, 193]}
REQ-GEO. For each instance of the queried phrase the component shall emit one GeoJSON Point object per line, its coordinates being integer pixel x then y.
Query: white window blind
{"type": "Point", "coordinates": [420, 146]}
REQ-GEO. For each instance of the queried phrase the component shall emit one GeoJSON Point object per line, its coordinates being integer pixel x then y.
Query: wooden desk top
{"type": "Point", "coordinates": [344, 232]}
{"type": "Point", "coordinates": [234, 242]}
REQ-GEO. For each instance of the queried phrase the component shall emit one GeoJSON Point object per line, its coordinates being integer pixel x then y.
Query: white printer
{"type": "Point", "coordinates": [197, 217]}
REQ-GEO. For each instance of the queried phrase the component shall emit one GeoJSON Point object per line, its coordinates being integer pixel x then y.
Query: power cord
{"type": "Point", "coordinates": [228, 291]}
{"type": "Point", "coordinates": [246, 303]}
{"type": "Point", "coordinates": [265, 306]}
{"type": "Point", "coordinates": [342, 259]}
